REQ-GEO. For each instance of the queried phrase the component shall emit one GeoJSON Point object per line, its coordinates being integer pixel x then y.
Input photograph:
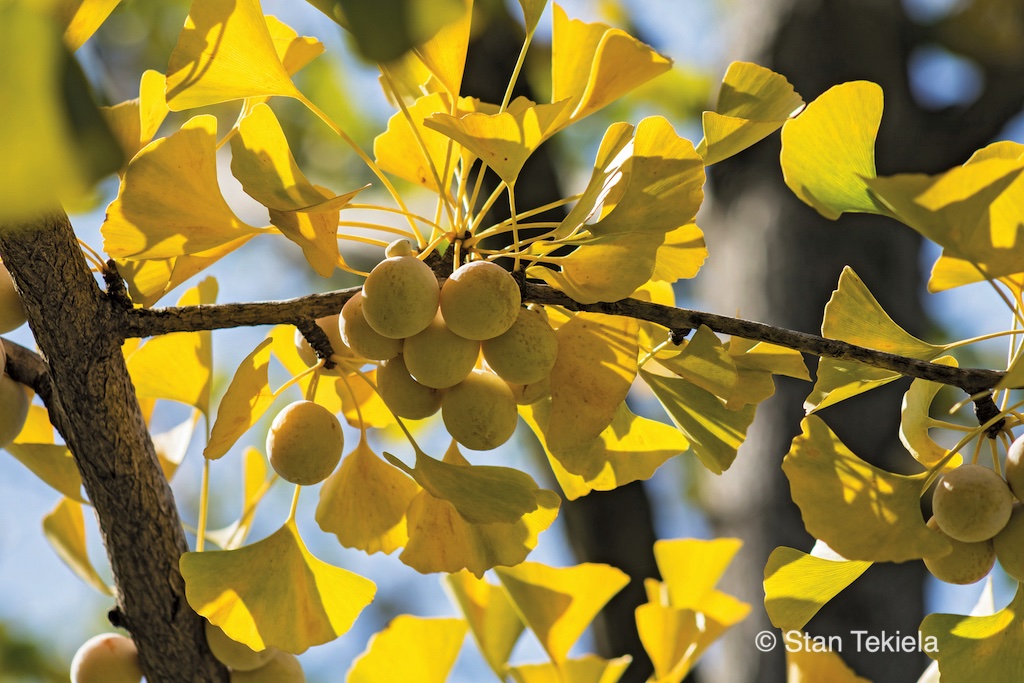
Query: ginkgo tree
{"type": "Point", "coordinates": [544, 331]}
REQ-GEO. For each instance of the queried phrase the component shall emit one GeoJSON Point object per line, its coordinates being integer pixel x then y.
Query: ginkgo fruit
{"type": "Point", "coordinates": [400, 295]}
{"type": "Point", "coordinates": [106, 658]}
{"type": "Point", "coordinates": [527, 394]}
{"type": "Point", "coordinates": [480, 300]}
{"type": "Point", "coordinates": [1015, 467]}
{"type": "Point", "coordinates": [439, 358]}
{"type": "Point", "coordinates": [362, 338]}
{"type": "Point", "coordinates": [14, 402]}
{"type": "Point", "coordinates": [283, 667]}
{"type": "Point", "coordinates": [402, 394]}
{"type": "Point", "coordinates": [480, 412]}
{"type": "Point", "coordinates": [305, 443]}
{"type": "Point", "coordinates": [12, 312]}
{"type": "Point", "coordinates": [330, 325]}
{"type": "Point", "coordinates": [526, 352]}
{"type": "Point", "coordinates": [971, 503]}
{"type": "Point", "coordinates": [966, 563]}
{"type": "Point", "coordinates": [233, 654]}
{"type": "Point", "coordinates": [1009, 544]}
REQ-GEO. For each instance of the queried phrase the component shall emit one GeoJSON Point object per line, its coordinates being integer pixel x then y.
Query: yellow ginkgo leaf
{"type": "Point", "coordinates": [225, 52]}
{"type": "Point", "coordinates": [172, 444]}
{"type": "Point", "coordinates": [503, 141]}
{"type": "Point", "coordinates": [691, 568]}
{"type": "Point", "coordinates": [384, 31]}
{"type": "Point", "coordinates": [586, 669]}
{"type": "Point", "coordinates": [64, 528]}
{"type": "Point", "coordinates": [861, 511]}
{"type": "Point", "coordinates": [675, 639]}
{"type": "Point", "coordinates": [753, 103]}
{"type": "Point", "coordinates": [805, 665]}
{"type": "Point", "coordinates": [413, 152]}
{"type": "Point", "coordinates": [715, 432]}
{"type": "Point", "coordinates": [681, 255]}
{"type": "Point", "coordinates": [797, 585]}
{"type": "Point", "coordinates": [134, 123]}
{"type": "Point", "coordinates": [705, 362]}
{"type": "Point", "coordinates": [364, 502]}
{"type": "Point", "coordinates": [593, 64]}
{"type": "Point", "coordinates": [558, 604]}
{"type": "Point", "coordinates": [247, 398]}
{"type": "Point", "coordinates": [977, 648]}
{"type": "Point", "coordinates": [53, 464]}
{"type": "Point", "coordinates": [491, 617]}
{"type": "Point", "coordinates": [630, 449]}
{"type": "Point", "coordinates": [915, 421]}
{"type": "Point", "coordinates": [293, 50]}
{"type": "Point", "coordinates": [1014, 376]}
{"type": "Point", "coordinates": [274, 593]}
{"type": "Point", "coordinates": [254, 485]}
{"type": "Point", "coordinates": [81, 18]}
{"type": "Point", "coordinates": [532, 11]}
{"type": "Point", "coordinates": [444, 54]}
{"type": "Point", "coordinates": [828, 151]}
{"type": "Point", "coordinates": [853, 315]}
{"type": "Point", "coordinates": [178, 366]}
{"type": "Point", "coordinates": [593, 372]}
{"type": "Point", "coordinates": [756, 363]}
{"type": "Point", "coordinates": [153, 217]}
{"type": "Point", "coordinates": [37, 427]}
{"type": "Point", "coordinates": [410, 649]}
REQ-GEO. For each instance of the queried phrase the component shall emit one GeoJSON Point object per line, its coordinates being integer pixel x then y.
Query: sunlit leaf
{"type": "Point", "coordinates": [681, 254]}
{"type": "Point", "coordinates": [705, 362]}
{"type": "Point", "coordinates": [37, 427]}
{"type": "Point", "coordinates": [81, 18]}
{"type": "Point", "coordinates": [172, 445]}
{"type": "Point", "coordinates": [411, 150]}
{"type": "Point", "coordinates": [691, 568]}
{"type": "Point", "coordinates": [829, 149]}
{"type": "Point", "coordinates": [753, 103]}
{"type": "Point", "coordinates": [134, 123]}
{"type": "Point", "coordinates": [410, 649]}
{"type": "Point", "coordinates": [862, 512]}
{"type": "Point", "coordinates": [274, 593]}
{"type": "Point", "coordinates": [981, 648]}
{"type": "Point", "coordinates": [169, 203]}
{"type": "Point", "coordinates": [915, 421]}
{"type": "Point", "coordinates": [387, 29]}
{"type": "Point", "coordinates": [675, 639]}
{"type": "Point", "coordinates": [558, 604]}
{"type": "Point", "coordinates": [445, 53]}
{"type": "Point", "coordinates": [532, 11]}
{"type": "Point", "coordinates": [254, 480]}
{"type": "Point", "coordinates": [247, 398]}
{"type": "Point", "coordinates": [853, 315]}
{"type": "Point", "coordinates": [1014, 376]}
{"type": "Point", "coordinates": [364, 502]}
{"type": "Point", "coordinates": [594, 64]}
{"type": "Point", "coordinates": [64, 528]}
{"type": "Point", "coordinates": [53, 464]}
{"type": "Point", "coordinates": [797, 585]}
{"type": "Point", "coordinates": [586, 669]}
{"type": "Point", "coordinates": [756, 363]}
{"type": "Point", "coordinates": [807, 665]}
{"type": "Point", "coordinates": [491, 617]}
{"type": "Point", "coordinates": [293, 50]}
{"type": "Point", "coordinates": [225, 52]}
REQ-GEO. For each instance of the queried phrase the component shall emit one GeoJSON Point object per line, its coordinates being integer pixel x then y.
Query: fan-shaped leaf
{"type": "Point", "coordinates": [64, 528]}
{"type": "Point", "coordinates": [797, 585]}
{"type": "Point", "coordinates": [410, 649]}
{"type": "Point", "coordinates": [491, 617]}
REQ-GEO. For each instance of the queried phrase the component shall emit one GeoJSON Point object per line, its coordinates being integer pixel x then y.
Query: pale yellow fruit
{"type": "Point", "coordinates": [1009, 544]}
{"type": "Point", "coordinates": [972, 503]}
{"type": "Point", "coordinates": [14, 402]}
{"type": "Point", "coordinates": [526, 352]}
{"type": "Point", "coordinates": [966, 563]}
{"type": "Point", "coordinates": [526, 394]}
{"type": "Point", "coordinates": [305, 443]}
{"type": "Point", "coordinates": [402, 394]}
{"type": "Point", "coordinates": [480, 300]}
{"type": "Point", "coordinates": [439, 358]}
{"type": "Point", "coordinates": [12, 313]}
{"type": "Point", "coordinates": [398, 248]}
{"type": "Point", "coordinates": [106, 658]}
{"type": "Point", "coordinates": [282, 668]}
{"type": "Point", "coordinates": [1015, 467]}
{"type": "Point", "coordinates": [400, 297]}
{"type": "Point", "coordinates": [362, 338]}
{"type": "Point", "coordinates": [233, 654]}
{"type": "Point", "coordinates": [343, 356]}
{"type": "Point", "coordinates": [480, 412]}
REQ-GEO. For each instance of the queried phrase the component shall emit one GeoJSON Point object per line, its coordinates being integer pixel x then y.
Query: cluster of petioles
{"type": "Point", "coordinates": [974, 509]}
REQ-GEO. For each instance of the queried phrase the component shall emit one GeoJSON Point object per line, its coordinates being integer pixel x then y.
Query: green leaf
{"type": "Point", "coordinates": [410, 649]}
{"type": "Point", "coordinates": [829, 149]}
{"type": "Point", "coordinates": [491, 617]}
{"type": "Point", "coordinates": [862, 512]}
{"type": "Point", "coordinates": [753, 103]}
{"type": "Point", "coordinates": [797, 585]}
{"type": "Point", "coordinates": [64, 528]}
{"type": "Point", "coordinates": [274, 593]}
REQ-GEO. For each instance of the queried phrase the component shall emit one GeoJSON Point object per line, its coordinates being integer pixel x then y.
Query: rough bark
{"type": "Point", "coordinates": [77, 331]}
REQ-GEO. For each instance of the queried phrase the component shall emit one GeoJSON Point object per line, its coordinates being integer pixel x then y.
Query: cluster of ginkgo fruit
{"type": "Point", "coordinates": [973, 507]}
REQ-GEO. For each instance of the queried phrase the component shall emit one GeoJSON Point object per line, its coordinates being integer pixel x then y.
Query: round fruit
{"type": "Point", "coordinates": [1015, 467]}
{"type": "Point", "coordinates": [12, 313]}
{"type": "Point", "coordinates": [972, 503]}
{"type": "Point", "coordinates": [343, 355]}
{"type": "Point", "coordinates": [480, 300]}
{"type": "Point", "coordinates": [106, 658]}
{"type": "Point", "coordinates": [400, 297]}
{"type": "Point", "coordinates": [235, 655]}
{"type": "Point", "coordinates": [526, 352]}
{"type": "Point", "coordinates": [526, 394]}
{"type": "Point", "coordinates": [305, 443]}
{"type": "Point", "coordinates": [14, 402]}
{"type": "Point", "coordinates": [362, 338]}
{"type": "Point", "coordinates": [439, 358]}
{"type": "Point", "coordinates": [966, 563]}
{"type": "Point", "coordinates": [480, 412]}
{"type": "Point", "coordinates": [282, 668]}
{"type": "Point", "coordinates": [1009, 544]}
{"type": "Point", "coordinates": [402, 394]}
